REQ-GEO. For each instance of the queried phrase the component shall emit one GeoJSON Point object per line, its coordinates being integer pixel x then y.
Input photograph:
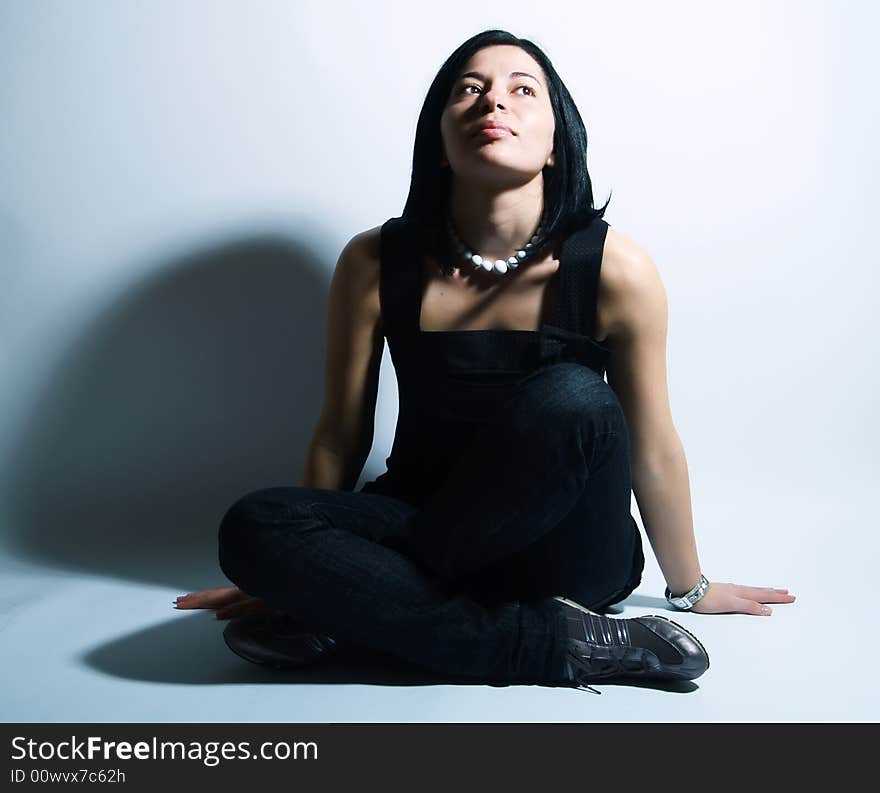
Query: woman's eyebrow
{"type": "Point", "coordinates": [482, 77]}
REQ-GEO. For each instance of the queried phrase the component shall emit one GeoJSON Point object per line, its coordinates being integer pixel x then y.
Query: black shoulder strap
{"type": "Point", "coordinates": [581, 263]}
{"type": "Point", "coordinates": [398, 278]}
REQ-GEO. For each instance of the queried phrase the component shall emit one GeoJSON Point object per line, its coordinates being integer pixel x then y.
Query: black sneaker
{"type": "Point", "coordinates": [277, 640]}
{"type": "Point", "coordinates": [651, 646]}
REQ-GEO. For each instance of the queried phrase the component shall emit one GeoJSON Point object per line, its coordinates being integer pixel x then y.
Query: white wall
{"type": "Point", "coordinates": [178, 178]}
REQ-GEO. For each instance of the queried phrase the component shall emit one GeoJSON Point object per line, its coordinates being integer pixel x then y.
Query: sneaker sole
{"type": "Point", "coordinates": [578, 606]}
{"type": "Point", "coordinates": [263, 662]}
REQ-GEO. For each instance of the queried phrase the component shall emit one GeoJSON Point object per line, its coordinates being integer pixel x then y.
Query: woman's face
{"type": "Point", "coordinates": [501, 83]}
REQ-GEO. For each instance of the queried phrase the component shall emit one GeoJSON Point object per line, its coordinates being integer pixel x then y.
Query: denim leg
{"type": "Point", "coordinates": [541, 495]}
{"type": "Point", "coordinates": [317, 553]}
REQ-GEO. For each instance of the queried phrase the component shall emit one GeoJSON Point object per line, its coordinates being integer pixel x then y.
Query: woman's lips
{"type": "Point", "coordinates": [495, 132]}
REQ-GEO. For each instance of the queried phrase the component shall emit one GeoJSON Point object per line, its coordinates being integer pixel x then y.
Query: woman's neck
{"type": "Point", "coordinates": [496, 224]}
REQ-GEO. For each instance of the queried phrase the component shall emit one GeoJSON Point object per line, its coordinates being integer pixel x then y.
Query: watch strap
{"type": "Point", "coordinates": [687, 600]}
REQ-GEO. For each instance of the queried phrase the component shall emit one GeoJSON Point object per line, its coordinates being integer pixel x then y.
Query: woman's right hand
{"type": "Point", "coordinates": [228, 601]}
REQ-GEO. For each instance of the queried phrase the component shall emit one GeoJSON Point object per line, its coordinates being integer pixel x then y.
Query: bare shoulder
{"type": "Point", "coordinates": [357, 272]}
{"type": "Point", "coordinates": [360, 256]}
{"type": "Point", "coordinates": [368, 244]}
{"type": "Point", "coordinates": [632, 294]}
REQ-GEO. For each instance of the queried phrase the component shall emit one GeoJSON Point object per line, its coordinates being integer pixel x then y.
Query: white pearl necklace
{"type": "Point", "coordinates": [501, 266]}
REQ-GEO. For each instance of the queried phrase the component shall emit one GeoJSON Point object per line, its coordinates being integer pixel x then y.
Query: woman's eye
{"type": "Point", "coordinates": [532, 90]}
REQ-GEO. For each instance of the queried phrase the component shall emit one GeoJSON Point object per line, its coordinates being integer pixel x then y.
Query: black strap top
{"type": "Point", "coordinates": [449, 382]}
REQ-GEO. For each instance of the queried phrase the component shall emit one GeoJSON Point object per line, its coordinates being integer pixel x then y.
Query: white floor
{"type": "Point", "coordinates": [85, 648]}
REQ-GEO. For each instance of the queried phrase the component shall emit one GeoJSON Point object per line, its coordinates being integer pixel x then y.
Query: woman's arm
{"type": "Point", "coordinates": [344, 433]}
{"type": "Point", "coordinates": [635, 308]}
{"type": "Point", "coordinates": [663, 496]}
{"type": "Point", "coordinates": [636, 303]}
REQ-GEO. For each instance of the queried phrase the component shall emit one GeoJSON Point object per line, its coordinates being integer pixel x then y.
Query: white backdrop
{"type": "Point", "coordinates": [178, 178]}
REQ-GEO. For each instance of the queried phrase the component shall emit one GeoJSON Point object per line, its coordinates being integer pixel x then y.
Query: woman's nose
{"type": "Point", "coordinates": [491, 100]}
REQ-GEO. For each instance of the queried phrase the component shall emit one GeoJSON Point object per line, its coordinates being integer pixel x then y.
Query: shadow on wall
{"type": "Point", "coordinates": [200, 384]}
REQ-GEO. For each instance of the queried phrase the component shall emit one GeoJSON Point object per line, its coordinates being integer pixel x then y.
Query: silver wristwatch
{"type": "Point", "coordinates": [688, 599]}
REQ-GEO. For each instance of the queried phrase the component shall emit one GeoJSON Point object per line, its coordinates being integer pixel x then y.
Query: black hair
{"type": "Point", "coordinates": [568, 190]}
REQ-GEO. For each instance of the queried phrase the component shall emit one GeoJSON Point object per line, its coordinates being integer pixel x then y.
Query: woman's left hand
{"type": "Point", "coordinates": [227, 602]}
{"type": "Point", "coordinates": [740, 599]}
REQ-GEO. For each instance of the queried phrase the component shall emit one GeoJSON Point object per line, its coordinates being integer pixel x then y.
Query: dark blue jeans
{"type": "Point", "coordinates": [538, 505]}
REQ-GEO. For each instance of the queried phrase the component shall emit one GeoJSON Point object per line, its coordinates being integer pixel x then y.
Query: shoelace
{"type": "Point", "coordinates": [611, 665]}
{"type": "Point", "coordinates": [581, 681]}
{"type": "Point", "coordinates": [602, 632]}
